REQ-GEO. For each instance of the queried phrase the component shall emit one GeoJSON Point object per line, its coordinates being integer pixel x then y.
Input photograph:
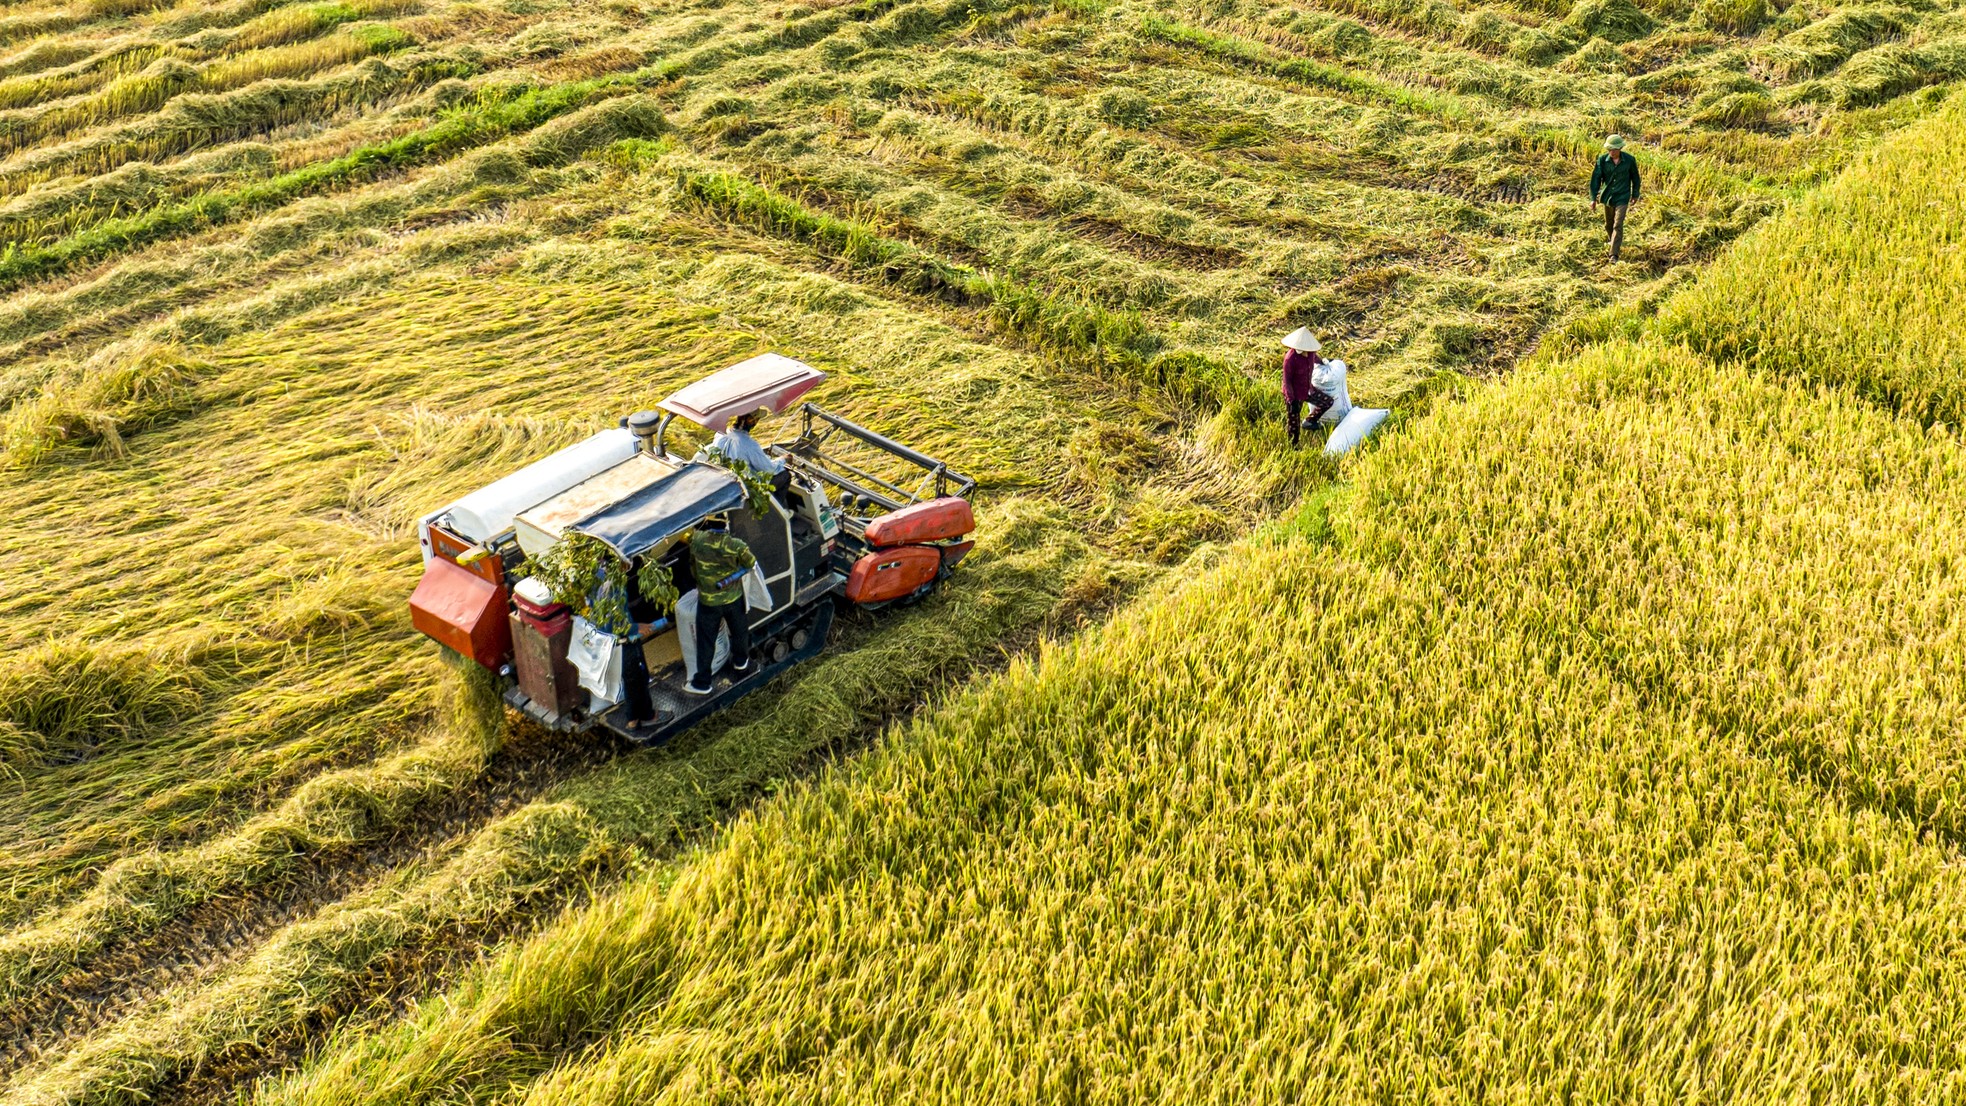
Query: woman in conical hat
{"type": "Point", "coordinates": [1298, 391]}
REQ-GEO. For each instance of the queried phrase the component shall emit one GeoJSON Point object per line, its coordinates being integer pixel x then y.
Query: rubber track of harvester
{"type": "Point", "coordinates": [121, 979]}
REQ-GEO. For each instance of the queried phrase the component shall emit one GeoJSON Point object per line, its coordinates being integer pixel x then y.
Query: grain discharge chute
{"type": "Point", "coordinates": [852, 519]}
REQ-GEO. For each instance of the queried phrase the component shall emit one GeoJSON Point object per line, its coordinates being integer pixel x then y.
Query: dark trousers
{"type": "Point", "coordinates": [1319, 402]}
{"type": "Point", "coordinates": [635, 680]}
{"type": "Point", "coordinates": [1614, 226]}
{"type": "Point", "coordinates": [708, 618]}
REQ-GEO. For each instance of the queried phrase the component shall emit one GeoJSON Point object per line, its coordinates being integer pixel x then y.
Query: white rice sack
{"type": "Point", "coordinates": [686, 637]}
{"type": "Point", "coordinates": [1329, 377]}
{"type": "Point", "coordinates": [596, 655]}
{"type": "Point", "coordinates": [1357, 423]}
{"type": "Point", "coordinates": [757, 593]}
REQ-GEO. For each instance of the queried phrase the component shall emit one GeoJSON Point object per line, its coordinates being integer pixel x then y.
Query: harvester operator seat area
{"type": "Point", "coordinates": [770, 537]}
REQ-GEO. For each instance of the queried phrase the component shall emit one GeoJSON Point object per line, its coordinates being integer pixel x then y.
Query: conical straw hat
{"type": "Point", "coordinates": [1303, 339]}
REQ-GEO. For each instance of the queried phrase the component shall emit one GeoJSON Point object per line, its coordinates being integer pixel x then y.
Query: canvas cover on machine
{"type": "Point", "coordinates": [482, 514]}
{"type": "Point", "coordinates": [770, 380]}
{"type": "Point", "coordinates": [661, 510]}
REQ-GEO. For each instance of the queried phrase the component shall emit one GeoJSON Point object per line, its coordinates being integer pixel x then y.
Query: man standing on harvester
{"type": "Point", "coordinates": [736, 444]}
{"type": "Point", "coordinates": [721, 560]}
{"type": "Point", "coordinates": [1614, 183]}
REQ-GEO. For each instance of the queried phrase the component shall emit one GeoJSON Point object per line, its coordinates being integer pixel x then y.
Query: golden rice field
{"type": "Point", "coordinates": [1592, 735]}
{"type": "Point", "coordinates": [1598, 740]}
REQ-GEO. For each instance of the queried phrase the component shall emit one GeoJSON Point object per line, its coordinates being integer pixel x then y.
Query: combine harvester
{"type": "Point", "coordinates": [835, 531]}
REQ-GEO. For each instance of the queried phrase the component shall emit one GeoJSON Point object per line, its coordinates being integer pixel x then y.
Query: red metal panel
{"type": "Point", "coordinates": [892, 573]}
{"type": "Point", "coordinates": [450, 547]}
{"type": "Point", "coordinates": [948, 517]}
{"type": "Point", "coordinates": [463, 611]}
{"type": "Point", "coordinates": [547, 618]}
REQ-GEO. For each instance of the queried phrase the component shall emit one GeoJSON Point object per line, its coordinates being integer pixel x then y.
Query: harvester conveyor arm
{"type": "Point", "coordinates": [823, 463]}
{"type": "Point", "coordinates": [806, 452]}
{"type": "Point", "coordinates": [846, 484]}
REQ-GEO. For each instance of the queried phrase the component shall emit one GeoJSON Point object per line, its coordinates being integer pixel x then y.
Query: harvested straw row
{"type": "Point", "coordinates": [1077, 332]}
{"type": "Point", "coordinates": [164, 81]}
{"type": "Point", "coordinates": [493, 120]}
{"type": "Point", "coordinates": [193, 121]}
{"type": "Point", "coordinates": [334, 810]}
{"type": "Point", "coordinates": [59, 68]}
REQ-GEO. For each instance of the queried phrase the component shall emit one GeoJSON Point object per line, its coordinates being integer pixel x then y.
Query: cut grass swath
{"type": "Point", "coordinates": [461, 130]}
{"type": "Point", "coordinates": [1081, 333]}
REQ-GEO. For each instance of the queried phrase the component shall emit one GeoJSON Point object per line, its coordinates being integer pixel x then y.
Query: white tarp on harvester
{"type": "Point", "coordinates": [487, 512]}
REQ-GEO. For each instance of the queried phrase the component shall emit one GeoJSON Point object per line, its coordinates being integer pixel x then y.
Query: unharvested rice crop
{"type": "Point", "coordinates": [1783, 301]}
{"type": "Point", "coordinates": [280, 277]}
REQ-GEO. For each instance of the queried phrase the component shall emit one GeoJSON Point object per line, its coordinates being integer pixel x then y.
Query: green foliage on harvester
{"type": "Point", "coordinates": [757, 485]}
{"type": "Point", "coordinates": [590, 578]}
{"type": "Point", "coordinates": [586, 575]}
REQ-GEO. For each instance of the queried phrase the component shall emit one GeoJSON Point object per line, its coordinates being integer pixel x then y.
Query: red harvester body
{"type": "Point", "coordinates": [934, 520]}
{"type": "Point", "coordinates": [889, 574]}
{"type": "Point", "coordinates": [462, 610]}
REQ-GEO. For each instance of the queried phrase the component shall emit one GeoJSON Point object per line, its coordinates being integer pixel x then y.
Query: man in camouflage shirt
{"type": "Point", "coordinates": [721, 560]}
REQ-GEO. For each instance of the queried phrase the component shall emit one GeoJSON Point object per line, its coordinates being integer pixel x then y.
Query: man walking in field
{"type": "Point", "coordinates": [1614, 183]}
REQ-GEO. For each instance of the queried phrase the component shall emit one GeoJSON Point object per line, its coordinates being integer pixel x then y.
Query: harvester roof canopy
{"type": "Point", "coordinates": [772, 381]}
{"type": "Point", "coordinates": [657, 512]}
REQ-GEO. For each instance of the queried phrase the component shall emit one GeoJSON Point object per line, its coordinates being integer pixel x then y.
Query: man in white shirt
{"type": "Point", "coordinates": [736, 443]}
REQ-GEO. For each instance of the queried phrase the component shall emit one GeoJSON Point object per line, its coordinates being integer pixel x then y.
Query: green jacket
{"type": "Point", "coordinates": [1615, 183]}
{"type": "Point", "coordinates": [722, 559]}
